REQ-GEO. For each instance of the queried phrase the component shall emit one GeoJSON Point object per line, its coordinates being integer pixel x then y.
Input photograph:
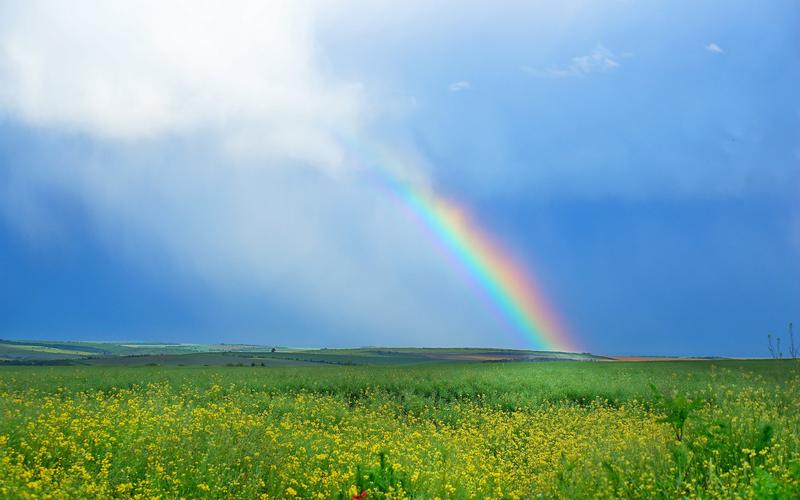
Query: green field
{"type": "Point", "coordinates": [27, 352]}
{"type": "Point", "coordinates": [73, 351]}
{"type": "Point", "coordinates": [448, 429]}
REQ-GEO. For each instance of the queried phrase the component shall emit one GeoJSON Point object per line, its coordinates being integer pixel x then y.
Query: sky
{"type": "Point", "coordinates": [204, 171]}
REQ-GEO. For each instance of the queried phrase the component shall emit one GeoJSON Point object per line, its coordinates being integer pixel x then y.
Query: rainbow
{"type": "Point", "coordinates": [509, 286]}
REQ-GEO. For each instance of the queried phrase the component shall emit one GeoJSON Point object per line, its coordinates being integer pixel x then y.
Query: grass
{"type": "Point", "coordinates": [559, 429]}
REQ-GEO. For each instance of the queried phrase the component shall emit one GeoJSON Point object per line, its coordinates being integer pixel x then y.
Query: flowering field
{"type": "Point", "coordinates": [440, 430]}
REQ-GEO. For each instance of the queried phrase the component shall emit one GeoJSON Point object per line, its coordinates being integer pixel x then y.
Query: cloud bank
{"type": "Point", "coordinates": [135, 71]}
{"type": "Point", "coordinates": [214, 144]}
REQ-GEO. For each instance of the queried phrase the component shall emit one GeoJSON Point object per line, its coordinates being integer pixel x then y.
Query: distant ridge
{"type": "Point", "coordinates": [106, 353]}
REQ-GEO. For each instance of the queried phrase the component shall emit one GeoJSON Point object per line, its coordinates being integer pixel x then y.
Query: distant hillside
{"type": "Point", "coordinates": [148, 353]}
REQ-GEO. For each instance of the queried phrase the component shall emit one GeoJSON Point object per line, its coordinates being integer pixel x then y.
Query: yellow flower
{"type": "Point", "coordinates": [124, 487]}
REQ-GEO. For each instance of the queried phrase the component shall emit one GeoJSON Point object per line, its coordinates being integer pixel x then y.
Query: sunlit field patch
{"type": "Point", "coordinates": [265, 432]}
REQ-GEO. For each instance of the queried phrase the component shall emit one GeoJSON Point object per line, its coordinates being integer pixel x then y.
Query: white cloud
{"type": "Point", "coordinates": [459, 86]}
{"type": "Point", "coordinates": [246, 72]}
{"type": "Point", "coordinates": [713, 47]}
{"type": "Point", "coordinates": [239, 86]}
{"type": "Point", "coordinates": [599, 60]}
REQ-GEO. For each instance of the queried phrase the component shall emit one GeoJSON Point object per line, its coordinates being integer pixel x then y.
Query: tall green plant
{"type": "Point", "coordinates": [380, 480]}
{"type": "Point", "coordinates": [677, 409]}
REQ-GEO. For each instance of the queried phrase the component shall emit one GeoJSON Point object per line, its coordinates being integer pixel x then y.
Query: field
{"type": "Point", "coordinates": [25, 352]}
{"type": "Point", "coordinates": [452, 428]}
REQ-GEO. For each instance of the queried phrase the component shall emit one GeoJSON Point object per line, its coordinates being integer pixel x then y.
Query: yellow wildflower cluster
{"type": "Point", "coordinates": [158, 440]}
{"type": "Point", "coordinates": [151, 442]}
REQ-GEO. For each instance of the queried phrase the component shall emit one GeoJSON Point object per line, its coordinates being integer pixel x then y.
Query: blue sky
{"type": "Point", "coordinates": [180, 176]}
